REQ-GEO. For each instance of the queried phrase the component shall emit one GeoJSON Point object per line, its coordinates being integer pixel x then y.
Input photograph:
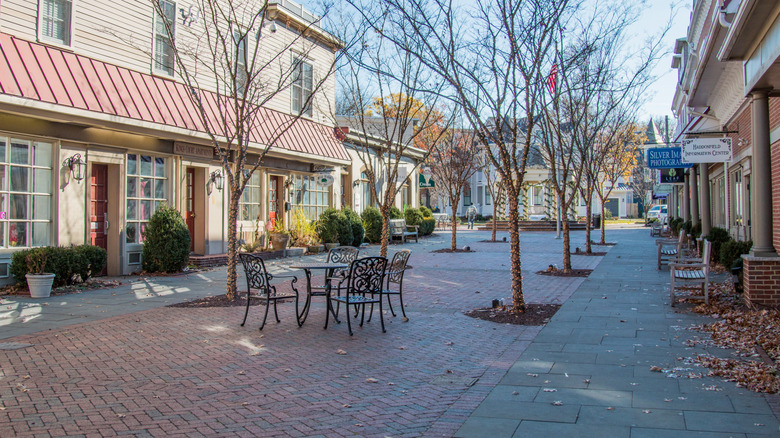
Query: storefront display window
{"type": "Point", "coordinates": [249, 205]}
{"type": "Point", "coordinates": [25, 192]}
{"type": "Point", "coordinates": [146, 190]}
{"type": "Point", "coordinates": [310, 196]}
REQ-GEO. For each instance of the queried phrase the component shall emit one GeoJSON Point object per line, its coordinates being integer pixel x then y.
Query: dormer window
{"type": "Point", "coordinates": [56, 18]}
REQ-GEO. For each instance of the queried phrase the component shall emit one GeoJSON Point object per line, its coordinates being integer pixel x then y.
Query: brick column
{"type": "Point", "coordinates": [761, 280]}
{"type": "Point", "coordinates": [762, 266]}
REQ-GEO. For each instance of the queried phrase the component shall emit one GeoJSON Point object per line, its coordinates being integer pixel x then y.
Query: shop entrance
{"type": "Point", "coordinates": [189, 205]}
{"type": "Point", "coordinates": [274, 195]}
{"type": "Point", "coordinates": [98, 208]}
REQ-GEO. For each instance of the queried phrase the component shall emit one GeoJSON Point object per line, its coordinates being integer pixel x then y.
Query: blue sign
{"type": "Point", "coordinates": [666, 158]}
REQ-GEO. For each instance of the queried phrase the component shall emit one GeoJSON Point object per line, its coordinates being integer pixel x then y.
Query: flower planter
{"type": "Point", "coordinates": [315, 249]}
{"type": "Point", "coordinates": [39, 285]}
{"type": "Point", "coordinates": [279, 240]}
{"type": "Point", "coordinates": [331, 245]}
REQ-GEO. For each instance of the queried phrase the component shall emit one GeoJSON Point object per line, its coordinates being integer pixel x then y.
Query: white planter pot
{"type": "Point", "coordinates": [39, 285]}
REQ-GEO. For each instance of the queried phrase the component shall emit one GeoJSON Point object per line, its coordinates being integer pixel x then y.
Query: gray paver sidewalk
{"type": "Point", "coordinates": [587, 373]}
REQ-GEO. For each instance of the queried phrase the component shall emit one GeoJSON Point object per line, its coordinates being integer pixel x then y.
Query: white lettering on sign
{"type": "Point", "coordinates": [193, 150]}
{"type": "Point", "coordinates": [706, 150]}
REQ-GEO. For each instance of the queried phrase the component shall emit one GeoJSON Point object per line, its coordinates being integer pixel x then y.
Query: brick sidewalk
{"type": "Point", "coordinates": [195, 372]}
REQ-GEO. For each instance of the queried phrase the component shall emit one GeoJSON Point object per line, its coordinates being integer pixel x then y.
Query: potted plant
{"type": "Point", "coordinates": [279, 236]}
{"type": "Point", "coordinates": [38, 282]}
{"type": "Point", "coordinates": [303, 232]}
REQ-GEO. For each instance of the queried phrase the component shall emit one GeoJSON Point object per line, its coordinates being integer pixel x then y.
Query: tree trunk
{"type": "Point", "coordinates": [566, 247]}
{"type": "Point", "coordinates": [495, 219]}
{"type": "Point", "coordinates": [588, 222]}
{"type": "Point", "coordinates": [454, 201]}
{"type": "Point", "coordinates": [518, 301]}
{"type": "Point", "coordinates": [232, 284]}
{"type": "Point", "coordinates": [603, 224]}
{"type": "Point", "coordinates": [385, 210]}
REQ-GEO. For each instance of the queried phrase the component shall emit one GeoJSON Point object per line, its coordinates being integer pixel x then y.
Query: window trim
{"type": "Point", "coordinates": [53, 41]}
{"type": "Point", "coordinates": [155, 70]}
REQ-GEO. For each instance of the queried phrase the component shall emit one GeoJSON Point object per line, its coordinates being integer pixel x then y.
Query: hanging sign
{"type": "Point", "coordinates": [426, 183]}
{"type": "Point", "coordinates": [673, 176]}
{"type": "Point", "coordinates": [324, 179]}
{"type": "Point", "coordinates": [665, 158]}
{"type": "Point", "coordinates": [706, 150]}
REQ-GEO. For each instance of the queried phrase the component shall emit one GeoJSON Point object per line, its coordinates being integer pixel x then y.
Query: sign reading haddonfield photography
{"type": "Point", "coordinates": [673, 176]}
{"type": "Point", "coordinates": [665, 158]}
{"type": "Point", "coordinates": [706, 150]}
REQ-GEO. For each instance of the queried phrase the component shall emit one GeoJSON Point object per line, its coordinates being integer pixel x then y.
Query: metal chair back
{"type": "Point", "coordinates": [342, 254]}
{"type": "Point", "coordinates": [395, 272]}
{"type": "Point", "coordinates": [366, 276]}
{"type": "Point", "coordinates": [256, 274]}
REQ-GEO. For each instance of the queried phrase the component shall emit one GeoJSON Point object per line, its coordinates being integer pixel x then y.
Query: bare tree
{"type": "Point", "coordinates": [619, 144]}
{"type": "Point", "coordinates": [493, 187]}
{"type": "Point", "coordinates": [599, 85]}
{"type": "Point", "coordinates": [453, 162]}
{"type": "Point", "coordinates": [489, 60]}
{"type": "Point", "coordinates": [234, 63]}
{"type": "Point", "coordinates": [401, 121]}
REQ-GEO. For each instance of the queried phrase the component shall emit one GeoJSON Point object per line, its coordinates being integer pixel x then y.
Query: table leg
{"type": "Point", "coordinates": [305, 312]}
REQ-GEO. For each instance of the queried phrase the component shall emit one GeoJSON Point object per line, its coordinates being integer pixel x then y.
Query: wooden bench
{"type": "Point", "coordinates": [692, 270]}
{"type": "Point", "coordinates": [670, 249]}
{"type": "Point", "coordinates": [399, 229]}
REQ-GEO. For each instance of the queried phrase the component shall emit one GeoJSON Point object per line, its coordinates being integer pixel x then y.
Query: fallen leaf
{"type": "Point", "coordinates": [549, 390]}
{"type": "Point", "coordinates": [372, 380]}
{"type": "Point", "coordinates": [341, 351]}
{"type": "Point", "coordinates": [646, 411]}
{"type": "Point", "coordinates": [557, 403]}
{"type": "Point", "coordinates": [656, 369]}
{"type": "Point", "coordinates": [610, 408]}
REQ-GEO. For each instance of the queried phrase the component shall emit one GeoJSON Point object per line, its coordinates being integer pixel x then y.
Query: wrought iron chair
{"type": "Point", "coordinates": [339, 254]}
{"type": "Point", "coordinates": [395, 275]}
{"type": "Point", "coordinates": [364, 286]}
{"type": "Point", "coordinates": [259, 279]}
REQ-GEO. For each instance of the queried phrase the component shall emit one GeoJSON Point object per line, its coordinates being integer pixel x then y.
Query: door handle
{"type": "Point", "coordinates": [105, 225]}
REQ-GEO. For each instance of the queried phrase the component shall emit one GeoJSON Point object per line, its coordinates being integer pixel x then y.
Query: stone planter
{"type": "Point", "coordinates": [330, 246]}
{"type": "Point", "coordinates": [279, 240]}
{"type": "Point", "coordinates": [315, 249]}
{"type": "Point", "coordinates": [39, 285]}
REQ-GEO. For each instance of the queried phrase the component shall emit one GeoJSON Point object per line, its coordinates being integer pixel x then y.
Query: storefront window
{"type": "Point", "coordinates": [249, 205]}
{"type": "Point", "coordinates": [25, 193]}
{"type": "Point", "coordinates": [310, 196]}
{"type": "Point", "coordinates": [146, 190]}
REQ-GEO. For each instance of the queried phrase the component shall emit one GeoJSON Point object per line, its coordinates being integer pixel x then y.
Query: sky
{"type": "Point", "coordinates": [654, 19]}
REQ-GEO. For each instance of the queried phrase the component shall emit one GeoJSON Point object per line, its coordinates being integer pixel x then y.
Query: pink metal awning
{"type": "Point", "coordinates": [46, 74]}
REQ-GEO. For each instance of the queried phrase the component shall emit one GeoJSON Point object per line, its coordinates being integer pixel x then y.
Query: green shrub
{"type": "Point", "coordinates": [69, 265]}
{"type": "Point", "coordinates": [687, 226]}
{"type": "Point", "coordinates": [166, 241]}
{"type": "Point", "coordinates": [427, 226]}
{"type": "Point", "coordinates": [717, 237]}
{"type": "Point", "coordinates": [372, 221]}
{"type": "Point", "coordinates": [356, 223]}
{"type": "Point", "coordinates": [676, 225]}
{"type": "Point", "coordinates": [413, 216]}
{"type": "Point", "coordinates": [426, 212]}
{"type": "Point", "coordinates": [696, 230]}
{"type": "Point", "coordinates": [608, 214]}
{"type": "Point", "coordinates": [327, 227]}
{"type": "Point", "coordinates": [395, 213]}
{"type": "Point", "coordinates": [731, 252]}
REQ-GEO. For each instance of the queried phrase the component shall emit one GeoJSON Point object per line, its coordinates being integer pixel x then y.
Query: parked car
{"type": "Point", "coordinates": [660, 212]}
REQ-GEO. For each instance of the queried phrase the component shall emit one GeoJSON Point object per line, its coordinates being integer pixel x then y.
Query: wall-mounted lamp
{"type": "Point", "coordinates": [77, 166]}
{"type": "Point", "coordinates": [217, 179]}
{"type": "Point", "coordinates": [355, 183]}
{"type": "Point", "coordinates": [289, 183]}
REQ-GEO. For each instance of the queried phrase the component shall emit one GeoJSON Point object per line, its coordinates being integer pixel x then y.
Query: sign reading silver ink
{"type": "Point", "coordinates": [665, 158]}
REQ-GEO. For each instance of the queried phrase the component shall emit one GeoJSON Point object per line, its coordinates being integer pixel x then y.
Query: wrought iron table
{"type": "Point", "coordinates": [308, 268]}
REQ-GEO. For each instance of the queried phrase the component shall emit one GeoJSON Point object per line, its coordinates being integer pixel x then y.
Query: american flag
{"type": "Point", "coordinates": [552, 77]}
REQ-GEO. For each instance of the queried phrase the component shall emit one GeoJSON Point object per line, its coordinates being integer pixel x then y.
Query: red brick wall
{"type": "Point", "coordinates": [741, 124]}
{"type": "Point", "coordinates": [776, 194]}
{"type": "Point", "coordinates": [762, 281]}
{"type": "Point", "coordinates": [774, 112]}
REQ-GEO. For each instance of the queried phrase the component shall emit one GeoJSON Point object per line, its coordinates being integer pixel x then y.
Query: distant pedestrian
{"type": "Point", "coordinates": [471, 214]}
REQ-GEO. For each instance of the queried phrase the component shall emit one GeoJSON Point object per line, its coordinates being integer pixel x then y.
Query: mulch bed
{"type": "Point", "coordinates": [63, 290]}
{"type": "Point", "coordinates": [560, 273]}
{"type": "Point", "coordinates": [448, 250]}
{"type": "Point", "coordinates": [535, 314]}
{"type": "Point", "coordinates": [494, 241]}
{"type": "Point", "coordinates": [603, 244]}
{"type": "Point", "coordinates": [216, 301]}
{"type": "Point", "coordinates": [594, 253]}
